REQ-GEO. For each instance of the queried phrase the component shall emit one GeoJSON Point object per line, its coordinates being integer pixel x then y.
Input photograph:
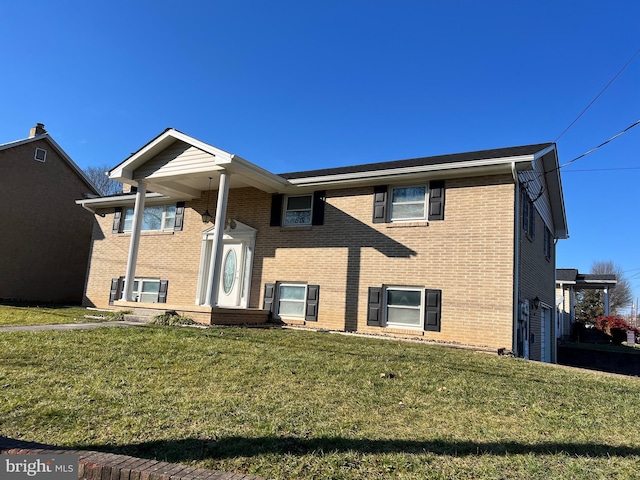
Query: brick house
{"type": "Point", "coordinates": [44, 248]}
{"type": "Point", "coordinates": [452, 248]}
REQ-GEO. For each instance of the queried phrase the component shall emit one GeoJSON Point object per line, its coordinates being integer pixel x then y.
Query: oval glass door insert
{"type": "Point", "coordinates": [229, 272]}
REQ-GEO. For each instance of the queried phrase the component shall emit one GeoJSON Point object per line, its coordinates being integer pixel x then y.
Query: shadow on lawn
{"type": "Point", "coordinates": [229, 447]}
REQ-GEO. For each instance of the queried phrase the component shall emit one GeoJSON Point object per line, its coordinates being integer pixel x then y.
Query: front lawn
{"type": "Point", "coordinates": [289, 404]}
{"type": "Point", "coordinates": [45, 315]}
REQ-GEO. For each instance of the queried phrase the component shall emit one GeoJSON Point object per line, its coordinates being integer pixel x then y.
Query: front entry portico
{"type": "Point", "coordinates": [235, 266]}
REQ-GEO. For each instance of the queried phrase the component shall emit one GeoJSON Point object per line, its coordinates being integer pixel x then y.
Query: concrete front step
{"type": "Point", "coordinates": [138, 318]}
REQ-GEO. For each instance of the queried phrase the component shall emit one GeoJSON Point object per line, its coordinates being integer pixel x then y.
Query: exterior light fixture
{"type": "Point", "coordinates": [536, 303]}
{"type": "Point", "coordinates": [206, 216]}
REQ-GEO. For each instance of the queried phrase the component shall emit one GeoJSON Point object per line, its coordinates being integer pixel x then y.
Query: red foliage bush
{"type": "Point", "coordinates": [615, 327]}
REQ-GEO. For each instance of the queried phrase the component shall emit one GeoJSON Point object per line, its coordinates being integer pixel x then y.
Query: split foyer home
{"type": "Point", "coordinates": [452, 248]}
{"type": "Point", "coordinates": [44, 247]}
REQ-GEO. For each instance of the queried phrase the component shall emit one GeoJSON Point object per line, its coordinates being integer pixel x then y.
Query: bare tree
{"type": "Point", "coordinates": [591, 302]}
{"type": "Point", "coordinates": [106, 186]}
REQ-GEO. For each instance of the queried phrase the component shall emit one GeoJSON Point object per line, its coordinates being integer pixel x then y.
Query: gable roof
{"type": "Point", "coordinates": [182, 167]}
{"type": "Point", "coordinates": [455, 158]}
{"type": "Point", "coordinates": [46, 137]}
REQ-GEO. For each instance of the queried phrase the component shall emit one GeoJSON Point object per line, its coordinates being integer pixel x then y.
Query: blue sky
{"type": "Point", "coordinates": [293, 85]}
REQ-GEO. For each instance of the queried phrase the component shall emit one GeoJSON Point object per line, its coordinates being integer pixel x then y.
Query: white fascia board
{"type": "Point", "coordinates": [121, 200]}
{"type": "Point", "coordinates": [480, 166]}
{"type": "Point", "coordinates": [124, 171]}
{"type": "Point", "coordinates": [263, 178]}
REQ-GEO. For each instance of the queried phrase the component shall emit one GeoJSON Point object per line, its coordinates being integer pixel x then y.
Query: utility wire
{"type": "Point", "coordinates": [598, 96]}
{"type": "Point", "coordinates": [599, 146]}
{"type": "Point", "coordinates": [602, 169]}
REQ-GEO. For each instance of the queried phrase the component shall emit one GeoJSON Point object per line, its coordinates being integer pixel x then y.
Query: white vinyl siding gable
{"type": "Point", "coordinates": [179, 158]}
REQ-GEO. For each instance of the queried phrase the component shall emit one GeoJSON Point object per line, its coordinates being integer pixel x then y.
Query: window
{"type": "Point", "coordinates": [404, 307]}
{"type": "Point", "coordinates": [40, 155]}
{"type": "Point", "coordinates": [405, 204]}
{"type": "Point", "coordinates": [528, 215]}
{"type": "Point", "coordinates": [292, 300]}
{"type": "Point", "coordinates": [156, 218]}
{"type": "Point", "coordinates": [408, 203]}
{"type": "Point", "coordinates": [547, 243]}
{"type": "Point", "coordinates": [145, 290]}
{"type": "Point", "coordinates": [298, 210]}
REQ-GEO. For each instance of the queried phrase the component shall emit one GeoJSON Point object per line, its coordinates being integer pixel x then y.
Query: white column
{"type": "Point", "coordinates": [218, 235]}
{"type": "Point", "coordinates": [606, 301]}
{"type": "Point", "coordinates": [138, 213]}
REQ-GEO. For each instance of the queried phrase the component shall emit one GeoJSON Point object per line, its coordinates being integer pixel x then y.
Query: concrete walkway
{"type": "Point", "coordinates": [68, 326]}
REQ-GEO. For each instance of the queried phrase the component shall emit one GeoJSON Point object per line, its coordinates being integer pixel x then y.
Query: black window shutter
{"type": "Point", "coordinates": [269, 296]}
{"type": "Point", "coordinates": [380, 204]}
{"type": "Point", "coordinates": [317, 215]}
{"type": "Point", "coordinates": [115, 292]}
{"type": "Point", "coordinates": [117, 218]}
{"type": "Point", "coordinates": [432, 310]}
{"type": "Point", "coordinates": [311, 310]}
{"type": "Point", "coordinates": [162, 293]}
{"type": "Point", "coordinates": [177, 226]}
{"type": "Point", "coordinates": [436, 200]}
{"type": "Point", "coordinates": [276, 209]}
{"type": "Point", "coordinates": [374, 307]}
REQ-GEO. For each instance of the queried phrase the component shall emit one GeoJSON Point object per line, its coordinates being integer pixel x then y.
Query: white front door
{"type": "Point", "coordinates": [231, 278]}
{"type": "Point", "coordinates": [238, 245]}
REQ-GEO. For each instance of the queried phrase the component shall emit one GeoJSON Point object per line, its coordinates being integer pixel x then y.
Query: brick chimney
{"type": "Point", "coordinates": [37, 130]}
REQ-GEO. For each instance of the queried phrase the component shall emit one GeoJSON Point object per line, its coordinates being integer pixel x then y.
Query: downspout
{"type": "Point", "coordinates": [516, 259]}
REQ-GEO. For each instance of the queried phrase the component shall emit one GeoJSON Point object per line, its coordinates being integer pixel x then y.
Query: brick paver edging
{"type": "Point", "coordinates": [110, 466]}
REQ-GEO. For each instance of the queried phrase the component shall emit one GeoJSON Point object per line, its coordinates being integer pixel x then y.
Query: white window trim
{"type": "Point", "coordinates": [303, 301]}
{"type": "Point", "coordinates": [163, 220]}
{"type": "Point", "coordinates": [420, 326]}
{"type": "Point", "coordinates": [285, 210]}
{"type": "Point", "coordinates": [425, 204]}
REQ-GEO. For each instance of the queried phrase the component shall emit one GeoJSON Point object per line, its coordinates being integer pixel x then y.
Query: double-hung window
{"type": "Point", "coordinates": [155, 218]}
{"type": "Point", "coordinates": [408, 203]}
{"type": "Point", "coordinates": [292, 300]}
{"type": "Point", "coordinates": [404, 306]}
{"type": "Point", "coordinates": [298, 210]}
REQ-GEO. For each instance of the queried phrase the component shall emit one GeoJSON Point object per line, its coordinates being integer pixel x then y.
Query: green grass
{"type": "Point", "coordinates": [304, 405]}
{"type": "Point", "coordinates": [11, 315]}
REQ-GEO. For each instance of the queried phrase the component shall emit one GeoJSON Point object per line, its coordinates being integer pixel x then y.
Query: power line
{"type": "Point", "coordinates": [602, 169]}
{"type": "Point", "coordinates": [599, 146]}
{"type": "Point", "coordinates": [598, 96]}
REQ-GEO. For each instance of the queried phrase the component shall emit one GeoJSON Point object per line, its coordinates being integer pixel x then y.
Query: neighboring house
{"type": "Point", "coordinates": [568, 282]}
{"type": "Point", "coordinates": [44, 247]}
{"type": "Point", "coordinates": [449, 248]}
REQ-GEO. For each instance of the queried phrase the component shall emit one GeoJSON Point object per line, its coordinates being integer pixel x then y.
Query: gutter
{"type": "Point", "coordinates": [91, 204]}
